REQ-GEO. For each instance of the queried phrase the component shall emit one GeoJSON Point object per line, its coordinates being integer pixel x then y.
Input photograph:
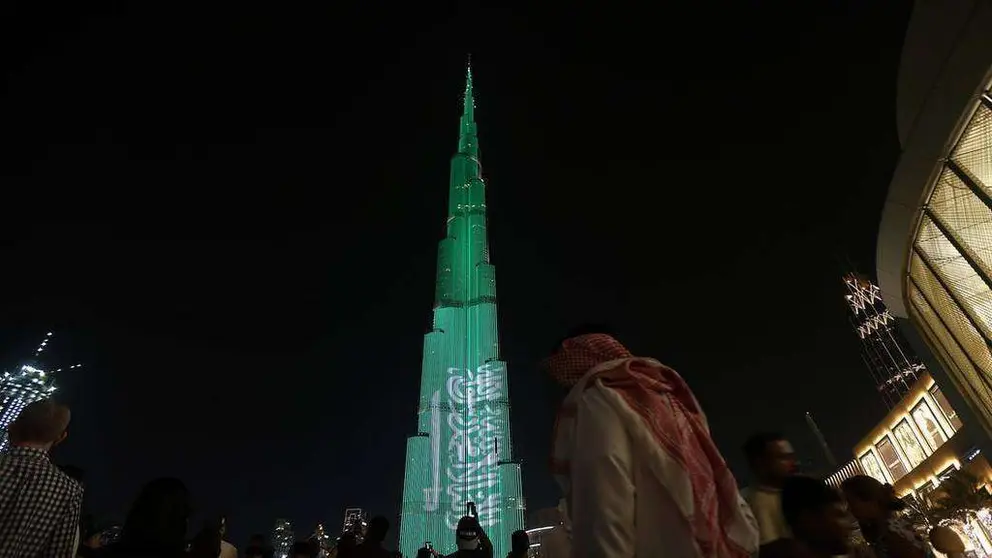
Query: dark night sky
{"type": "Point", "coordinates": [230, 214]}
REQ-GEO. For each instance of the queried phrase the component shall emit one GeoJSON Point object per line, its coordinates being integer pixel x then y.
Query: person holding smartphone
{"type": "Point", "coordinates": [471, 538]}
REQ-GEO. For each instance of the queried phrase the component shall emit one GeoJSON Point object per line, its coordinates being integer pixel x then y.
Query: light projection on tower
{"type": "Point", "coordinates": [462, 452]}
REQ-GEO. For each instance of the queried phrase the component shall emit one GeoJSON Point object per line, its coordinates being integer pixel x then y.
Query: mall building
{"type": "Point", "coordinates": [934, 260]}
{"type": "Point", "coordinates": [935, 239]}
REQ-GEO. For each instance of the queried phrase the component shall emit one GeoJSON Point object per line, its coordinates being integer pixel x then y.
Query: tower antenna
{"type": "Point", "coordinates": [822, 441]}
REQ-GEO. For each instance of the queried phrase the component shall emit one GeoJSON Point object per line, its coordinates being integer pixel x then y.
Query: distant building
{"type": "Point", "coordinates": [887, 355]}
{"type": "Point", "coordinates": [919, 444]}
{"type": "Point", "coordinates": [322, 539]}
{"type": "Point", "coordinates": [27, 384]}
{"type": "Point", "coordinates": [283, 538]}
{"type": "Point", "coordinates": [355, 521]}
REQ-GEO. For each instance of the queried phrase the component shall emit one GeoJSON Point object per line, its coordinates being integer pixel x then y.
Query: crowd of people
{"type": "Point", "coordinates": [632, 452]}
{"type": "Point", "coordinates": [642, 477]}
{"type": "Point", "coordinates": [41, 508]}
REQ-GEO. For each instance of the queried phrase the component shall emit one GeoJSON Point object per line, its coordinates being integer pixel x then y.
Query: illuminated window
{"type": "Point", "coordinates": [945, 407]}
{"type": "Point", "coordinates": [946, 473]}
{"type": "Point", "coordinates": [910, 445]}
{"type": "Point", "coordinates": [871, 466]}
{"type": "Point", "coordinates": [897, 469]}
{"type": "Point", "coordinates": [928, 425]}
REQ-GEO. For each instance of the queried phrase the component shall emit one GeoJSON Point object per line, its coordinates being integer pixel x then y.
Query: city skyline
{"type": "Point", "coordinates": [232, 220]}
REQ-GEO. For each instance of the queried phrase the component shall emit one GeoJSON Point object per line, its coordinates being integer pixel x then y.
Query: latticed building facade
{"type": "Point", "coordinates": [935, 240]}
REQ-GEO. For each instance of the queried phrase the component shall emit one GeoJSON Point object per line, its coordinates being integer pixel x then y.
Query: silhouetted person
{"type": "Point", "coordinates": [347, 544]}
{"type": "Point", "coordinates": [634, 457]}
{"type": "Point", "coordinates": [39, 504]}
{"type": "Point", "coordinates": [85, 519]}
{"type": "Point", "coordinates": [227, 550]}
{"type": "Point", "coordinates": [206, 543]}
{"type": "Point", "coordinates": [303, 549]}
{"type": "Point", "coordinates": [519, 545]}
{"type": "Point", "coordinates": [471, 540]}
{"type": "Point", "coordinates": [156, 525]}
{"type": "Point", "coordinates": [817, 519]}
{"type": "Point", "coordinates": [874, 505]}
{"type": "Point", "coordinates": [371, 547]}
{"type": "Point", "coordinates": [259, 547]}
{"type": "Point", "coordinates": [772, 461]}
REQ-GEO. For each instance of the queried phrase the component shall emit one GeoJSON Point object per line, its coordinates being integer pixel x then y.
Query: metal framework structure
{"type": "Point", "coordinates": [462, 453]}
{"type": "Point", "coordinates": [27, 384]}
{"type": "Point", "coordinates": [893, 365]}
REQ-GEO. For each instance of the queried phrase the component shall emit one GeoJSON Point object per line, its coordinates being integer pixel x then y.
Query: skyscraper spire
{"type": "Point", "coordinates": [467, 142]}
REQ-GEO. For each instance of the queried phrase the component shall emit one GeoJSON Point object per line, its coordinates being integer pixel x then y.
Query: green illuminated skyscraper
{"type": "Point", "coordinates": [462, 452]}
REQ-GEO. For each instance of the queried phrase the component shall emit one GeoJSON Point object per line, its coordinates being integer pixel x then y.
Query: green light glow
{"type": "Point", "coordinates": [463, 452]}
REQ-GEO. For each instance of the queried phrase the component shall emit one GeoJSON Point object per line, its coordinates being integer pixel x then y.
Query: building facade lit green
{"type": "Point", "coordinates": [462, 452]}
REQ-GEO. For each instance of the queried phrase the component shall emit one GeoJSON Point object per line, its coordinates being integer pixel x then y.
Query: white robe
{"type": "Point", "coordinates": [619, 504]}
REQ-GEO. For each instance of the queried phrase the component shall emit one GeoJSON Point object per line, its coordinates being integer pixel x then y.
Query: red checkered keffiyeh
{"type": "Point", "coordinates": [579, 355]}
{"type": "Point", "coordinates": [678, 425]}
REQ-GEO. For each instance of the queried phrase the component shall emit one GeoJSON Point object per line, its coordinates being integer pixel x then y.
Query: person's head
{"type": "Point", "coordinates": [519, 543]}
{"type": "Point", "coordinates": [41, 425]}
{"type": "Point", "coordinates": [870, 501]}
{"type": "Point", "coordinates": [583, 348]}
{"type": "Point", "coordinates": [467, 533]}
{"type": "Point", "coordinates": [347, 544]}
{"type": "Point", "coordinates": [771, 458]}
{"type": "Point", "coordinates": [377, 530]}
{"type": "Point", "coordinates": [206, 543]}
{"type": "Point", "coordinates": [815, 513]}
{"type": "Point", "coordinates": [302, 549]}
{"type": "Point", "coordinates": [159, 516]}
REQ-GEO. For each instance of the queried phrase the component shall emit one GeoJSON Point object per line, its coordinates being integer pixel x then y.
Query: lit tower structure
{"type": "Point", "coordinates": [282, 538]}
{"type": "Point", "coordinates": [355, 521]}
{"type": "Point", "coordinates": [27, 384]}
{"type": "Point", "coordinates": [893, 366]}
{"type": "Point", "coordinates": [462, 451]}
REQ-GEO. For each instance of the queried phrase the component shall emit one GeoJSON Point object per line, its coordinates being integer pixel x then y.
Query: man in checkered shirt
{"type": "Point", "coordinates": [39, 504]}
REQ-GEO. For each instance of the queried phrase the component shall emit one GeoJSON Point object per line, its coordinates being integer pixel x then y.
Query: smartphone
{"type": "Point", "coordinates": [472, 511]}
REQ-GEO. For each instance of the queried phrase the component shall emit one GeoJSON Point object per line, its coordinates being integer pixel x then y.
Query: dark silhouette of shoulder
{"type": "Point", "coordinates": [784, 548]}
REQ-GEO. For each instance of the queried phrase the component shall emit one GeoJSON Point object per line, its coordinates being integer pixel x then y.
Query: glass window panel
{"type": "Point", "coordinates": [943, 475]}
{"type": "Point", "coordinates": [945, 407]}
{"type": "Point", "coordinates": [872, 468]}
{"type": "Point", "coordinates": [958, 363]}
{"type": "Point", "coordinates": [957, 273]}
{"type": "Point", "coordinates": [974, 149]}
{"type": "Point", "coordinates": [910, 445]}
{"type": "Point", "coordinates": [897, 469]}
{"type": "Point", "coordinates": [965, 215]}
{"type": "Point", "coordinates": [959, 338]}
{"type": "Point", "coordinates": [926, 421]}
